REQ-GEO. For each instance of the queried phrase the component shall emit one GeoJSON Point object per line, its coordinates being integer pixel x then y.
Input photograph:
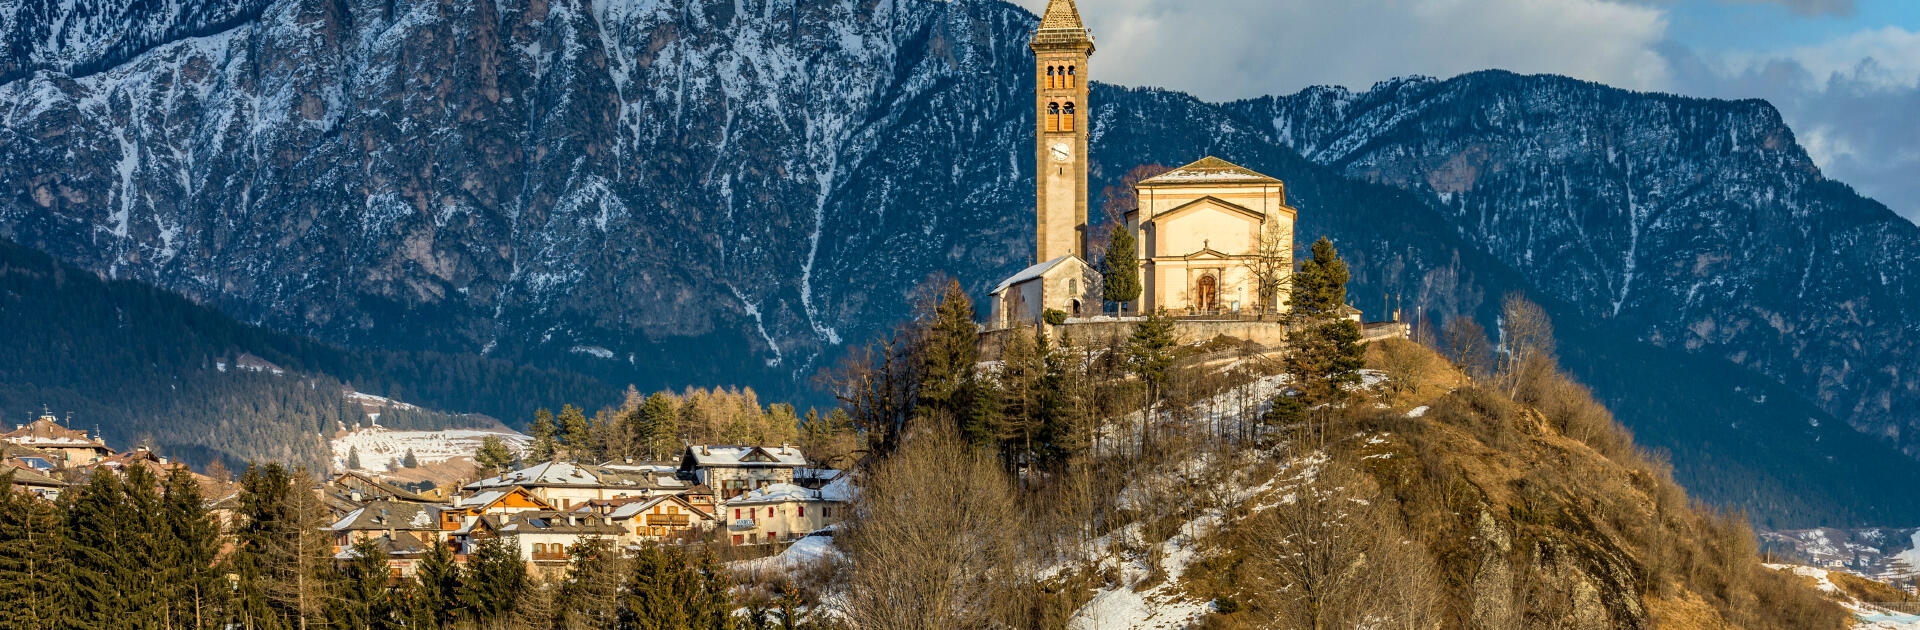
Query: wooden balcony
{"type": "Point", "coordinates": [668, 520]}
{"type": "Point", "coordinates": [549, 556]}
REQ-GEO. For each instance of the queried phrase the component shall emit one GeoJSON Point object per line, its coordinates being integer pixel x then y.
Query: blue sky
{"type": "Point", "coordinates": [1844, 73]}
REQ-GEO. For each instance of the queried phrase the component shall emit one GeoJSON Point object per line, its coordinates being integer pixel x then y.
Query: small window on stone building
{"type": "Point", "coordinates": [1053, 116]}
{"type": "Point", "coordinates": [1066, 118]}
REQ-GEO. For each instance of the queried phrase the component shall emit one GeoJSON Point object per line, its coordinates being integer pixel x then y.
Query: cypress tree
{"type": "Point", "coordinates": [33, 573]}
{"type": "Point", "coordinates": [495, 576]}
{"type": "Point", "coordinates": [1122, 267]}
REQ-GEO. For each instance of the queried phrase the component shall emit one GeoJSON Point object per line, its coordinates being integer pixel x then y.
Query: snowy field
{"type": "Point", "coordinates": [380, 448]}
{"type": "Point", "coordinates": [1870, 617]}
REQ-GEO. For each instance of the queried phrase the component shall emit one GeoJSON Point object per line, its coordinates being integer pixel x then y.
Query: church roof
{"type": "Point", "coordinates": [1030, 273]}
{"type": "Point", "coordinates": [1061, 14]}
{"type": "Point", "coordinates": [1209, 170]}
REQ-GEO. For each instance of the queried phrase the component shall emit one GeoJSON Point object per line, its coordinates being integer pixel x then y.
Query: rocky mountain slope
{"type": "Point", "coordinates": [1696, 224]}
{"type": "Point", "coordinates": [731, 192]}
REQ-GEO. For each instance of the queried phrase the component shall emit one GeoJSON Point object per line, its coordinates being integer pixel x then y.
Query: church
{"type": "Point", "coordinates": [1213, 238]}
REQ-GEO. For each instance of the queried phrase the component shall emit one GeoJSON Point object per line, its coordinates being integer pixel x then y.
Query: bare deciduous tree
{"type": "Point", "coordinates": [1272, 267]}
{"type": "Point", "coordinates": [1335, 557]}
{"type": "Point", "coordinates": [929, 538]}
{"type": "Point", "coordinates": [1526, 342]}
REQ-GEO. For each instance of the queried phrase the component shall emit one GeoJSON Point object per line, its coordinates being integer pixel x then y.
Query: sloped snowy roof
{"type": "Point", "coordinates": [1029, 273]}
{"type": "Point", "coordinates": [1209, 170]}
{"type": "Point", "coordinates": [385, 514]}
{"type": "Point", "coordinates": [706, 456]}
{"type": "Point", "coordinates": [576, 475]}
{"type": "Point", "coordinates": [46, 433]}
{"type": "Point", "coordinates": [840, 491]}
{"type": "Point", "coordinates": [637, 508]}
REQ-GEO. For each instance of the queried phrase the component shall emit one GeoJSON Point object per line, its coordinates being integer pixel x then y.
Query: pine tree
{"type": "Point", "coordinates": [281, 560]}
{"type": "Point", "coordinates": [1150, 351]}
{"type": "Point", "coordinates": [100, 526]}
{"type": "Point", "coordinates": [661, 426]}
{"type": "Point", "coordinates": [33, 573]}
{"type": "Point", "coordinates": [1324, 346]}
{"type": "Point", "coordinates": [576, 434]}
{"type": "Point", "coordinates": [353, 458]}
{"type": "Point", "coordinates": [1122, 267]}
{"type": "Point", "coordinates": [194, 590]}
{"type": "Point", "coordinates": [543, 431]}
{"type": "Point", "coordinates": [148, 536]}
{"type": "Point", "coordinates": [495, 576]}
{"type": "Point", "coordinates": [410, 461]}
{"type": "Point", "coordinates": [365, 602]}
{"type": "Point", "coordinates": [590, 597]}
{"type": "Point", "coordinates": [950, 351]}
{"type": "Point", "coordinates": [493, 457]}
{"type": "Point", "coordinates": [436, 589]}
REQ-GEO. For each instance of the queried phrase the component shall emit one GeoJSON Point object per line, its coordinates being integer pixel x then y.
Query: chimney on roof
{"type": "Point", "coordinates": [703, 450]}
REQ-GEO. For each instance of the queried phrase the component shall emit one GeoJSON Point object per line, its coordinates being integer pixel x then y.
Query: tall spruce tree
{"type": "Point", "coordinates": [365, 602]}
{"type": "Point", "coordinates": [410, 460]}
{"type": "Point", "coordinates": [951, 350]}
{"type": "Point", "coordinates": [660, 426]}
{"type": "Point", "coordinates": [670, 591]}
{"type": "Point", "coordinates": [33, 573]}
{"type": "Point", "coordinates": [436, 588]}
{"type": "Point", "coordinates": [576, 435]}
{"type": "Point", "coordinates": [195, 591]}
{"type": "Point", "coordinates": [1121, 268]}
{"type": "Point", "coordinates": [1324, 346]}
{"type": "Point", "coordinates": [545, 445]}
{"type": "Point", "coordinates": [495, 576]}
{"type": "Point", "coordinates": [353, 458]}
{"type": "Point", "coordinates": [590, 597]}
{"type": "Point", "coordinates": [102, 530]}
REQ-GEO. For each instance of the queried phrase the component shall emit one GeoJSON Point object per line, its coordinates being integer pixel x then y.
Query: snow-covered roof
{"type": "Point", "coordinates": [545, 522]}
{"type": "Point", "coordinates": [840, 491]}
{"type": "Point", "coordinates": [385, 514]}
{"type": "Point", "coordinates": [637, 508]}
{"type": "Point", "coordinates": [46, 433]}
{"type": "Point", "coordinates": [1209, 170]}
{"type": "Point", "coordinates": [576, 475]}
{"type": "Point", "coordinates": [1029, 273]}
{"type": "Point", "coordinates": [707, 456]}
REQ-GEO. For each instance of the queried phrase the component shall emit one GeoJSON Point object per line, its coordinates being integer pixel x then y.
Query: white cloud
{"type": "Point", "coordinates": [1228, 49]}
{"type": "Point", "coordinates": [1884, 58]}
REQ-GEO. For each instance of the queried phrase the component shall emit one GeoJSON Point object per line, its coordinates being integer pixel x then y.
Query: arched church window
{"type": "Point", "coordinates": [1053, 116]}
{"type": "Point", "coordinates": [1066, 118]}
{"type": "Point", "coordinates": [1070, 75]}
{"type": "Point", "coordinates": [1050, 81]}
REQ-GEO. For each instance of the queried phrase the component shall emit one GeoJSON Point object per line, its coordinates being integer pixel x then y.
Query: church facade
{"type": "Point", "coordinates": [1214, 238]}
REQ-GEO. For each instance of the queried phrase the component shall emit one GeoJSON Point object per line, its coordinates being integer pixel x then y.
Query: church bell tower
{"type": "Point", "coordinates": [1061, 46]}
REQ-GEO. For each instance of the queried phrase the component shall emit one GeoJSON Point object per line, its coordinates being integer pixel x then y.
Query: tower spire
{"type": "Point", "coordinates": [1061, 14]}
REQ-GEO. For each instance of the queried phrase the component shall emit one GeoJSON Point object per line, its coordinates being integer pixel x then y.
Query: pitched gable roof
{"type": "Point", "coordinates": [46, 433]}
{"type": "Point", "coordinates": [1032, 272]}
{"type": "Point", "coordinates": [707, 456]}
{"type": "Point", "coordinates": [1207, 201]}
{"type": "Point", "coordinates": [387, 514]}
{"type": "Point", "coordinates": [1209, 170]}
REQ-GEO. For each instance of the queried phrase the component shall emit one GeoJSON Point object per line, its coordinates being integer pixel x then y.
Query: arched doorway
{"type": "Point", "coordinates": [1206, 294]}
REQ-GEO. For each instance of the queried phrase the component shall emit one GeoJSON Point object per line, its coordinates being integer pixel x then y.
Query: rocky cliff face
{"type": "Point", "coordinates": [1698, 224]}
{"type": "Point", "coordinates": [721, 191]}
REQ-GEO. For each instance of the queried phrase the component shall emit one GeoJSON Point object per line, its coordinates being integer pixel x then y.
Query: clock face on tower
{"type": "Point", "coordinates": [1061, 151]}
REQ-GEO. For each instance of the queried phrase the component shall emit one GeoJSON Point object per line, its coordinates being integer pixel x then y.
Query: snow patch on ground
{"type": "Point", "coordinates": [380, 447]}
{"type": "Point", "coordinates": [1868, 617]}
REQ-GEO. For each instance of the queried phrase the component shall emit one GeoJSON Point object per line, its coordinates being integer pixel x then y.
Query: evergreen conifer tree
{"type": "Point", "coordinates": [590, 597]}
{"type": "Point", "coordinates": [493, 457]}
{"type": "Point", "coordinates": [195, 591]}
{"type": "Point", "coordinates": [353, 458]}
{"type": "Point", "coordinates": [543, 431]}
{"type": "Point", "coordinates": [365, 602]}
{"type": "Point", "coordinates": [33, 574]}
{"type": "Point", "coordinates": [436, 589]}
{"type": "Point", "coordinates": [495, 576]}
{"type": "Point", "coordinates": [1325, 353]}
{"type": "Point", "coordinates": [950, 350]}
{"type": "Point", "coordinates": [1122, 267]}
{"type": "Point", "coordinates": [410, 461]}
{"type": "Point", "coordinates": [660, 420]}
{"type": "Point", "coordinates": [101, 539]}
{"type": "Point", "coordinates": [576, 434]}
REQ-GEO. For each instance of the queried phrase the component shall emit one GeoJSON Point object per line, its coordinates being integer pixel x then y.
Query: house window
{"type": "Point", "coordinates": [736, 514]}
{"type": "Point", "coordinates": [769, 536]}
{"type": "Point", "coordinates": [673, 509]}
{"type": "Point", "coordinates": [802, 511]}
{"type": "Point", "coordinates": [738, 539]}
{"type": "Point", "coordinates": [826, 512]}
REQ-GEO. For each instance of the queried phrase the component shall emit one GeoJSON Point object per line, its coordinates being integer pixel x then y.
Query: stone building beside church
{"type": "Point", "coordinates": [1211, 235]}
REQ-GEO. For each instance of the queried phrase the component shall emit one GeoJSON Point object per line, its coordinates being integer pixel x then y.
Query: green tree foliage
{"type": "Point", "coordinates": [280, 560]}
{"type": "Point", "coordinates": [410, 461]}
{"type": "Point", "coordinates": [590, 597]}
{"type": "Point", "coordinates": [33, 563]}
{"type": "Point", "coordinates": [493, 457]}
{"type": "Point", "coordinates": [495, 576]}
{"type": "Point", "coordinates": [670, 590]}
{"type": "Point", "coordinates": [1324, 346]}
{"type": "Point", "coordinates": [435, 595]}
{"type": "Point", "coordinates": [366, 602]}
{"type": "Point", "coordinates": [659, 426]}
{"type": "Point", "coordinates": [951, 349]}
{"type": "Point", "coordinates": [103, 529]}
{"type": "Point", "coordinates": [1150, 352]}
{"type": "Point", "coordinates": [1121, 267]}
{"type": "Point", "coordinates": [576, 435]}
{"type": "Point", "coordinates": [353, 458]}
{"type": "Point", "coordinates": [192, 587]}
{"type": "Point", "coordinates": [544, 432]}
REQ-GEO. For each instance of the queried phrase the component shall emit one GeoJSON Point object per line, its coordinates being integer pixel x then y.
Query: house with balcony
{"type": "Point", "coordinates": [567, 486]}
{"type": "Point", "coordinates": [781, 513]}
{"type": "Point", "coordinates": [657, 518]}
{"type": "Point", "coordinates": [731, 471]}
{"type": "Point", "coordinates": [547, 538]}
{"type": "Point", "coordinates": [404, 529]}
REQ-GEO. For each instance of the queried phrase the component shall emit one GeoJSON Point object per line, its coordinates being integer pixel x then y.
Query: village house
{"type": "Point", "coordinates": [27, 479]}
{"type": "Point", "coordinates": [656, 518]}
{"type": "Point", "coordinates": [566, 485]}
{"type": "Point", "coordinates": [733, 470]}
{"type": "Point", "coordinates": [785, 512]}
{"type": "Point", "coordinates": [67, 447]}
{"type": "Point", "coordinates": [546, 538]}
{"type": "Point", "coordinates": [403, 528]}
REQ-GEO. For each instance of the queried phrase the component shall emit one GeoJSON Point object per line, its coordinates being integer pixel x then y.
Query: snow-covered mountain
{"type": "Point", "coordinates": [730, 191]}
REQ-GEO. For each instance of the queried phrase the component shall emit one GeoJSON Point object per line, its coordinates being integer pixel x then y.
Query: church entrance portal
{"type": "Point", "coordinates": [1206, 296]}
